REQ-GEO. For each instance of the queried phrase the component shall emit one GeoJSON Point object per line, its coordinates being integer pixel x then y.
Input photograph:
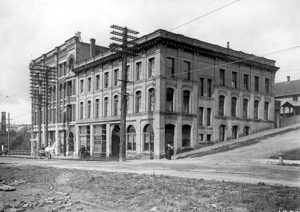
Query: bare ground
{"type": "Point", "coordinates": [55, 189]}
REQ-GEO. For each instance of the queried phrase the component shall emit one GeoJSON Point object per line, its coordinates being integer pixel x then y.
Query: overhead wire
{"type": "Point", "coordinates": [206, 14]}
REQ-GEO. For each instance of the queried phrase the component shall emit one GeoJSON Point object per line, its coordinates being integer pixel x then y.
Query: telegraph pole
{"type": "Point", "coordinates": [124, 36]}
{"type": "Point", "coordinates": [8, 135]}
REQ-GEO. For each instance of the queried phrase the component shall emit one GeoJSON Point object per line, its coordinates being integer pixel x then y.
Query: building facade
{"type": "Point", "coordinates": [180, 90]}
{"type": "Point", "coordinates": [288, 93]}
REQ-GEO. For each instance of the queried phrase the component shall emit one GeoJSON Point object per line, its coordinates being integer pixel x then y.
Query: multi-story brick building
{"type": "Point", "coordinates": [181, 91]}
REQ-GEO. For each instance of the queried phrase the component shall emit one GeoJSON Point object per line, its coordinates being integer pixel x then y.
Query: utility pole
{"type": "Point", "coordinates": [126, 42]}
{"type": "Point", "coordinates": [8, 136]}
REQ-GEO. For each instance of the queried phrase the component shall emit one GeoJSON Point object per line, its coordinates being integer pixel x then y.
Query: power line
{"type": "Point", "coordinates": [206, 14]}
{"type": "Point", "coordinates": [233, 62]}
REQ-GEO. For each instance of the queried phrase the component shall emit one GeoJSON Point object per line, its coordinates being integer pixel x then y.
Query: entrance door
{"type": "Point", "coordinates": [71, 142]}
{"type": "Point", "coordinates": [169, 134]}
{"type": "Point", "coordinates": [115, 141]}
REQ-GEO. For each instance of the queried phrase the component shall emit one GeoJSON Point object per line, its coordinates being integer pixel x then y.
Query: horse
{"type": "Point", "coordinates": [50, 152]}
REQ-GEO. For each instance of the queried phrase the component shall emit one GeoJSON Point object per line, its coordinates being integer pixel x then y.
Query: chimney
{"type": "Point", "coordinates": [3, 122]}
{"type": "Point", "coordinates": [92, 47]}
{"type": "Point", "coordinates": [228, 46]}
{"type": "Point", "coordinates": [288, 78]}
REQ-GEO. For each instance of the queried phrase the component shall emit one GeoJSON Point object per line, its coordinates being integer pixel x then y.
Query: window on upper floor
{"type": "Point", "coordinates": [201, 87]}
{"type": "Point", "coordinates": [209, 87]}
{"type": "Point", "coordinates": [256, 104]}
{"type": "Point", "coordinates": [116, 105]}
{"type": "Point", "coordinates": [105, 107]}
{"type": "Point", "coordinates": [234, 80]}
{"type": "Point", "coordinates": [81, 86]}
{"type": "Point", "coordinates": [221, 105]}
{"type": "Point", "coordinates": [106, 79]}
{"type": "Point", "coordinates": [151, 99]}
{"type": "Point", "coordinates": [138, 71]}
{"type": "Point", "coordinates": [97, 108]}
{"type": "Point", "coordinates": [97, 82]}
{"type": "Point", "coordinates": [201, 117]}
{"type": "Point", "coordinates": [169, 100]}
{"type": "Point", "coordinates": [246, 82]}
{"type": "Point", "coordinates": [170, 68]}
{"type": "Point", "coordinates": [222, 77]}
{"type": "Point", "coordinates": [81, 110]}
{"type": "Point", "coordinates": [116, 73]}
{"type": "Point", "coordinates": [138, 102]}
{"type": "Point", "coordinates": [71, 64]}
{"type": "Point", "coordinates": [256, 83]}
{"type": "Point", "coordinates": [187, 69]}
{"type": "Point", "coordinates": [151, 67]}
{"type": "Point", "coordinates": [128, 73]}
{"type": "Point", "coordinates": [267, 85]}
{"type": "Point", "coordinates": [89, 109]}
{"type": "Point", "coordinates": [233, 106]}
{"type": "Point", "coordinates": [266, 111]}
{"type": "Point", "coordinates": [89, 85]}
{"type": "Point", "coordinates": [208, 118]}
{"type": "Point", "coordinates": [186, 101]}
{"type": "Point", "coordinates": [245, 108]}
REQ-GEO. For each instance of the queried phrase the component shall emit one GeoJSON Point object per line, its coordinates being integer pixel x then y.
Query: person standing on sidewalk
{"type": "Point", "coordinates": [169, 151]}
{"type": "Point", "coordinates": [82, 152]}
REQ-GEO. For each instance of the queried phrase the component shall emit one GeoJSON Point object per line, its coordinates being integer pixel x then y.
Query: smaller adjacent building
{"type": "Point", "coordinates": [288, 93]}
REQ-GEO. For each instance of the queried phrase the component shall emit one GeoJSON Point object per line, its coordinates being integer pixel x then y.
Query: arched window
{"type": "Point", "coordinates": [233, 106]}
{"type": "Point", "coordinates": [148, 138]}
{"type": "Point", "coordinates": [116, 105]}
{"type": "Point", "coordinates": [186, 101]}
{"type": "Point", "coordinates": [97, 108]}
{"type": "Point", "coordinates": [105, 107]}
{"type": "Point", "coordinates": [222, 133]}
{"type": "Point", "coordinates": [221, 105]}
{"type": "Point", "coordinates": [89, 109]}
{"type": "Point", "coordinates": [170, 99]}
{"type": "Point", "coordinates": [186, 136]}
{"type": "Point", "coordinates": [256, 103]}
{"type": "Point", "coordinates": [71, 64]}
{"type": "Point", "coordinates": [138, 102]}
{"type": "Point", "coordinates": [131, 134]}
{"type": "Point", "coordinates": [151, 99]}
{"type": "Point", "coordinates": [81, 110]}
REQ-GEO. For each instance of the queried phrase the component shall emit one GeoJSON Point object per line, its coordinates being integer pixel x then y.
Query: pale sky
{"type": "Point", "coordinates": [32, 27]}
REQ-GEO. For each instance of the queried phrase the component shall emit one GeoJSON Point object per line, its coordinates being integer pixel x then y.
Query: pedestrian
{"type": "Point", "coordinates": [82, 152]}
{"type": "Point", "coordinates": [169, 151]}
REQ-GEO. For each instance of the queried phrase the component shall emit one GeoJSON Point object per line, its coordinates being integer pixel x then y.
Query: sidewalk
{"type": "Point", "coordinates": [234, 144]}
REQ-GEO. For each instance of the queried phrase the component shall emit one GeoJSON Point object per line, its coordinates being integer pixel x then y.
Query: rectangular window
{"type": "Point", "coordinates": [267, 85]}
{"type": "Point", "coordinates": [201, 110]}
{"type": "Point", "coordinates": [234, 80]}
{"type": "Point", "coordinates": [209, 87]}
{"type": "Point", "coordinates": [81, 110]}
{"type": "Point", "coordinates": [138, 71]}
{"type": "Point", "coordinates": [187, 69]}
{"type": "Point", "coordinates": [128, 73]}
{"type": "Point", "coordinates": [201, 87]}
{"type": "Point", "coordinates": [246, 82]}
{"type": "Point", "coordinates": [222, 77]}
{"type": "Point", "coordinates": [106, 79]}
{"type": "Point", "coordinates": [200, 137]}
{"type": "Point", "coordinates": [81, 86]}
{"type": "Point", "coordinates": [266, 111]}
{"type": "Point", "coordinates": [233, 106]}
{"type": "Point", "coordinates": [256, 103]}
{"type": "Point", "coordinates": [89, 84]}
{"type": "Point", "coordinates": [208, 137]}
{"type": "Point", "coordinates": [208, 118]}
{"type": "Point", "coordinates": [256, 84]}
{"type": "Point", "coordinates": [116, 71]}
{"type": "Point", "coordinates": [170, 69]}
{"type": "Point", "coordinates": [151, 66]}
{"type": "Point", "coordinates": [221, 105]}
{"type": "Point", "coordinates": [186, 101]}
{"type": "Point", "coordinates": [97, 82]}
{"type": "Point", "coordinates": [245, 108]}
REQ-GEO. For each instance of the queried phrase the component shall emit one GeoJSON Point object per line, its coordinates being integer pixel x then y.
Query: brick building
{"type": "Point", "coordinates": [181, 91]}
